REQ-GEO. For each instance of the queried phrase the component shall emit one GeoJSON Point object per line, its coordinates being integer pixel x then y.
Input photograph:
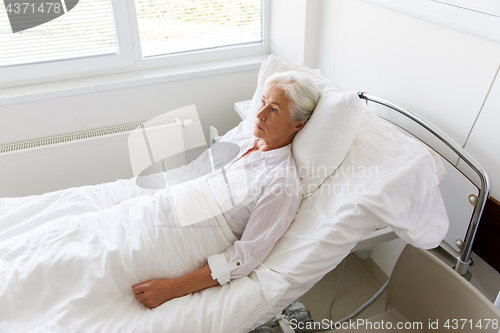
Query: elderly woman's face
{"type": "Point", "coordinates": [274, 122]}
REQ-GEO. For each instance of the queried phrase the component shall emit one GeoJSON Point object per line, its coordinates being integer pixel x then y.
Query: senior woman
{"type": "Point", "coordinates": [73, 258]}
{"type": "Point", "coordinates": [265, 155]}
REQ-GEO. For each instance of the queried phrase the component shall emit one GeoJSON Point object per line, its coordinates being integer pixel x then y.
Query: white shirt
{"type": "Point", "coordinates": [258, 212]}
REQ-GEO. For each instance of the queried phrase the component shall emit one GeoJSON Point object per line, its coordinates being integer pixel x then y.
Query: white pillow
{"type": "Point", "coordinates": [321, 146]}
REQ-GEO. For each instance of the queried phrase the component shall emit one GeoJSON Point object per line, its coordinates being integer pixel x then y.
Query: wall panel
{"type": "Point", "coordinates": [214, 97]}
{"type": "Point", "coordinates": [440, 73]}
{"type": "Point", "coordinates": [484, 140]}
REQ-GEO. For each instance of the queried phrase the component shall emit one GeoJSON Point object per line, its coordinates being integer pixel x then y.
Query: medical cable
{"type": "Point", "coordinates": [355, 313]}
{"type": "Point", "coordinates": [336, 289]}
{"type": "Point", "coordinates": [367, 304]}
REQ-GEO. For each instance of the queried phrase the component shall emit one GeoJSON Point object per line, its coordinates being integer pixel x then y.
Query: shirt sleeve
{"type": "Point", "coordinates": [271, 217]}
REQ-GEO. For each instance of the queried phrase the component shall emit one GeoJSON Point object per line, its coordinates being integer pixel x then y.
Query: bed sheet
{"type": "Point", "coordinates": [327, 226]}
{"type": "Point", "coordinates": [71, 247]}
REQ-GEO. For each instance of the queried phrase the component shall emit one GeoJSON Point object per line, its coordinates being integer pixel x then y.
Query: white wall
{"type": "Point", "coordinates": [287, 30]}
{"type": "Point", "coordinates": [448, 76]}
{"type": "Point", "coordinates": [214, 97]}
{"type": "Point", "coordinates": [295, 26]}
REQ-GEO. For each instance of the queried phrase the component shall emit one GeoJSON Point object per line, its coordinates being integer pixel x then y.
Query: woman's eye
{"type": "Point", "coordinates": [262, 102]}
{"type": "Point", "coordinates": [275, 110]}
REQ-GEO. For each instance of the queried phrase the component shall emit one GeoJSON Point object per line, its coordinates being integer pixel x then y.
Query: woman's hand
{"type": "Point", "coordinates": [153, 293]}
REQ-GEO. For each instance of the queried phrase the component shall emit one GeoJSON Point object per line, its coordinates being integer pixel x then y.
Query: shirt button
{"type": "Point", "coordinates": [238, 263]}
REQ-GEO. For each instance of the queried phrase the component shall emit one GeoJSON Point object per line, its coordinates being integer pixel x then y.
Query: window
{"type": "Point", "coordinates": [86, 30]}
{"type": "Point", "coordinates": [96, 36]}
{"type": "Point", "coordinates": [168, 27]}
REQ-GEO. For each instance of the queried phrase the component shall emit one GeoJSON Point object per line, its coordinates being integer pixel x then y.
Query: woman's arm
{"type": "Point", "coordinates": [269, 219]}
{"type": "Point", "coordinates": [153, 293]}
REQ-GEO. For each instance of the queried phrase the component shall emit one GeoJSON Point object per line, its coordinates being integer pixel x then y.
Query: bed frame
{"type": "Point", "coordinates": [483, 185]}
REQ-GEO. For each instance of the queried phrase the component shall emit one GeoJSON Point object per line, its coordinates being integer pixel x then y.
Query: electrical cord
{"type": "Point", "coordinates": [367, 304]}
{"type": "Point", "coordinates": [336, 324]}
{"type": "Point", "coordinates": [336, 289]}
{"type": "Point", "coordinates": [355, 313]}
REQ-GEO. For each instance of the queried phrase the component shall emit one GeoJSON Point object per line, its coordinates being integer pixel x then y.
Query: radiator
{"type": "Point", "coordinates": [91, 157]}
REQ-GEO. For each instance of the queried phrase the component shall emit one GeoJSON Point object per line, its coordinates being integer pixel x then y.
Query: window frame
{"type": "Point", "coordinates": [129, 57]}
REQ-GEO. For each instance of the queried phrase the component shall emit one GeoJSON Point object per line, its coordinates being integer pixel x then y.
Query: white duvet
{"type": "Point", "coordinates": [89, 227]}
{"type": "Point", "coordinates": [68, 259]}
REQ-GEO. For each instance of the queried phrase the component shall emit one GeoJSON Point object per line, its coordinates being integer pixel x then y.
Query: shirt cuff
{"type": "Point", "coordinates": [220, 268]}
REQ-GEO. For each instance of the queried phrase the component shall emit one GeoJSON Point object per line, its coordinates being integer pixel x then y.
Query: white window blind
{"type": "Point", "coordinates": [86, 30]}
{"type": "Point", "coordinates": [168, 27]}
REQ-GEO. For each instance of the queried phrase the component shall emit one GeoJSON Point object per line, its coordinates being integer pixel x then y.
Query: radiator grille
{"type": "Point", "coordinates": [84, 135]}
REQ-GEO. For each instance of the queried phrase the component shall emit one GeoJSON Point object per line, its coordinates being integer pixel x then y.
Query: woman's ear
{"type": "Point", "coordinates": [299, 125]}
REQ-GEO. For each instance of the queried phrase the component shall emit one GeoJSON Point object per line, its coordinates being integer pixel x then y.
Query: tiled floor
{"type": "Point", "coordinates": [361, 280]}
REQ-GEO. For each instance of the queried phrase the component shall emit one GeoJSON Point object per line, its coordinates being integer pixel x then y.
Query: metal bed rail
{"type": "Point", "coordinates": [484, 188]}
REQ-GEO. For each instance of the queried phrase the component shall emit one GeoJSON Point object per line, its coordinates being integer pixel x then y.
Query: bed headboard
{"type": "Point", "coordinates": [451, 151]}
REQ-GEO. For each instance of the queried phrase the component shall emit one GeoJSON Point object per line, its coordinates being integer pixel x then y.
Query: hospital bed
{"type": "Point", "coordinates": [482, 181]}
{"type": "Point", "coordinates": [385, 184]}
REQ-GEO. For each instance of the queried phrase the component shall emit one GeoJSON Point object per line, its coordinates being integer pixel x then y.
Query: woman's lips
{"type": "Point", "coordinates": [259, 127]}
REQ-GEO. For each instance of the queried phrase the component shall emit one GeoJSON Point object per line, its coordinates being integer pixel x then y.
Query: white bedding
{"type": "Point", "coordinates": [72, 257]}
{"type": "Point", "coordinates": [401, 193]}
{"type": "Point", "coordinates": [325, 229]}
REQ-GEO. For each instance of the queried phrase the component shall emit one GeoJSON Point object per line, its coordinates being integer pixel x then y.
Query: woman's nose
{"type": "Point", "coordinates": [261, 114]}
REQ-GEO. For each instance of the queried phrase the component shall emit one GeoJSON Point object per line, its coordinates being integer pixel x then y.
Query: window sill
{"type": "Point", "coordinates": [41, 91]}
{"type": "Point", "coordinates": [474, 23]}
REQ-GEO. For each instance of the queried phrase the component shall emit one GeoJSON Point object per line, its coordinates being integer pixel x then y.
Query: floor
{"type": "Point", "coordinates": [360, 281]}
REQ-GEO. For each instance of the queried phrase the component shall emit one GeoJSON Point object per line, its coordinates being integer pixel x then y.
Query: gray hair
{"type": "Point", "coordinates": [300, 90]}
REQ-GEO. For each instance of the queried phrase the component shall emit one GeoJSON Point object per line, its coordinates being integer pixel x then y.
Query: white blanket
{"type": "Point", "coordinates": [323, 232]}
{"type": "Point", "coordinates": [68, 259]}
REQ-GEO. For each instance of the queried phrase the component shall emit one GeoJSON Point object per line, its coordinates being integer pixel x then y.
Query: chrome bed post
{"type": "Point", "coordinates": [484, 188]}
